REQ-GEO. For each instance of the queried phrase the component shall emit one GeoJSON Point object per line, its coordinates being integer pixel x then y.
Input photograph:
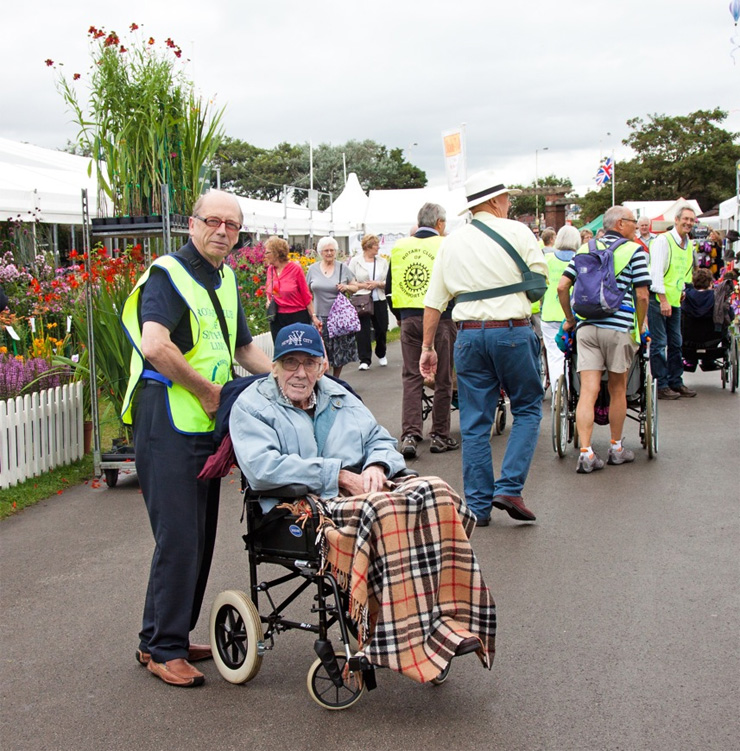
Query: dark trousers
{"type": "Point", "coordinates": [183, 512]}
{"type": "Point", "coordinates": [285, 319]}
{"type": "Point", "coordinates": [413, 382]}
{"type": "Point", "coordinates": [379, 321]}
{"type": "Point", "coordinates": [666, 353]}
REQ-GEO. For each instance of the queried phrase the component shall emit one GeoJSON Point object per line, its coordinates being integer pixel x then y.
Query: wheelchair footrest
{"type": "Point", "coordinates": [359, 663]}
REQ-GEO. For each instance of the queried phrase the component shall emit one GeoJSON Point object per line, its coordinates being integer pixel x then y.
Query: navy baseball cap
{"type": "Point", "coordinates": [298, 337]}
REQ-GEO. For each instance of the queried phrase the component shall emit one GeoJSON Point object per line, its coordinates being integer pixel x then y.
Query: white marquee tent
{"type": "Point", "coordinates": [44, 185]}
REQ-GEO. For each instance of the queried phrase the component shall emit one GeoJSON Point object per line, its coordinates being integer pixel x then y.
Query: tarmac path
{"type": "Point", "coordinates": [618, 614]}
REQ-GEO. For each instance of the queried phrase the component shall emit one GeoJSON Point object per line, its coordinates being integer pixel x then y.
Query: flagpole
{"type": "Point", "coordinates": [614, 180]}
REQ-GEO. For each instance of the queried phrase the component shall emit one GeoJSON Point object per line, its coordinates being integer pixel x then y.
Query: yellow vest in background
{"type": "Point", "coordinates": [412, 259]}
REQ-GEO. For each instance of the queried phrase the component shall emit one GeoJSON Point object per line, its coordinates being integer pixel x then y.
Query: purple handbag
{"type": "Point", "coordinates": [343, 318]}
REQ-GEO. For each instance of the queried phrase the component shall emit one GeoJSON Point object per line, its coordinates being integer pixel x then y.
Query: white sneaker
{"type": "Point", "coordinates": [364, 366]}
{"type": "Point", "coordinates": [383, 361]}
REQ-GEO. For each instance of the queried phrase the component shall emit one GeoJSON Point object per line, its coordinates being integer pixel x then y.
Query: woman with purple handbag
{"type": "Point", "coordinates": [328, 280]}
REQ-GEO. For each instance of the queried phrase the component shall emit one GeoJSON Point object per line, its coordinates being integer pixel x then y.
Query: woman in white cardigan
{"type": "Point", "coordinates": [370, 271]}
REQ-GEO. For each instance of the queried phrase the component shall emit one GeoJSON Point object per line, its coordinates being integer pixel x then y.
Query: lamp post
{"type": "Point", "coordinates": [537, 186]}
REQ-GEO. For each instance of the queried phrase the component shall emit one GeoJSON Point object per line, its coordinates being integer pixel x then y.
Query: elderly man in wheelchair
{"type": "Point", "coordinates": [397, 544]}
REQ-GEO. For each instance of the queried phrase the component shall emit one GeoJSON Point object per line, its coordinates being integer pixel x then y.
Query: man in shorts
{"type": "Point", "coordinates": [608, 343]}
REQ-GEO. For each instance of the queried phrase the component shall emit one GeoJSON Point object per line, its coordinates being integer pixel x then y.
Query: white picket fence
{"type": "Point", "coordinates": [39, 432]}
{"type": "Point", "coordinates": [45, 430]}
{"type": "Point", "coordinates": [264, 342]}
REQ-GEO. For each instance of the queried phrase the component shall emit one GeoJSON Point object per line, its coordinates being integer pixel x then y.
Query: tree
{"type": "Point", "coordinates": [596, 202]}
{"type": "Point", "coordinates": [261, 173]}
{"type": "Point", "coordinates": [258, 173]}
{"type": "Point", "coordinates": [687, 156]}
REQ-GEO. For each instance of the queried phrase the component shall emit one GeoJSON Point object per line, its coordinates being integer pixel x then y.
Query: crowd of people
{"type": "Point", "coordinates": [464, 303]}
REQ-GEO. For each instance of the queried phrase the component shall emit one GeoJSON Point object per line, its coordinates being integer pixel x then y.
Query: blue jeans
{"type": "Point", "coordinates": [665, 332]}
{"type": "Point", "coordinates": [488, 360]}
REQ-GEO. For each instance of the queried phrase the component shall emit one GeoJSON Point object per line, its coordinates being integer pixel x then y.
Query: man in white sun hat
{"type": "Point", "coordinates": [487, 267]}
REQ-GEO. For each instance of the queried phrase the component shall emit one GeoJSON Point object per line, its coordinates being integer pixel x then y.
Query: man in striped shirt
{"type": "Point", "coordinates": [608, 343]}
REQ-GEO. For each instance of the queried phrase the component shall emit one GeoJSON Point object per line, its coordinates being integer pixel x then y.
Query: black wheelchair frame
{"type": "Point", "coordinates": [240, 635]}
{"type": "Point", "coordinates": [642, 402]}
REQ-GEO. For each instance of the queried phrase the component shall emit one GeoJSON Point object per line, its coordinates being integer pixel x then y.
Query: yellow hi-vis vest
{"type": "Point", "coordinates": [209, 355]}
{"type": "Point", "coordinates": [552, 310]}
{"type": "Point", "coordinates": [412, 259]}
{"type": "Point", "coordinates": [680, 266]}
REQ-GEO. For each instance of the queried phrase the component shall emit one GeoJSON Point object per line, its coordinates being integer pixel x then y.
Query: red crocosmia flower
{"type": "Point", "coordinates": [178, 52]}
{"type": "Point", "coordinates": [123, 49]}
{"type": "Point", "coordinates": [76, 77]}
{"type": "Point", "coordinates": [49, 63]}
{"type": "Point", "coordinates": [151, 40]}
{"type": "Point", "coordinates": [134, 26]}
{"type": "Point", "coordinates": [260, 292]}
{"type": "Point", "coordinates": [256, 279]}
{"type": "Point", "coordinates": [92, 30]}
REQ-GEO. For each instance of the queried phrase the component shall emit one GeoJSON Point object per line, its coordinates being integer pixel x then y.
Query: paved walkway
{"type": "Point", "coordinates": [618, 615]}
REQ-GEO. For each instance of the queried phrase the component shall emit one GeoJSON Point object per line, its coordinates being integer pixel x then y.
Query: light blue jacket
{"type": "Point", "coordinates": [278, 444]}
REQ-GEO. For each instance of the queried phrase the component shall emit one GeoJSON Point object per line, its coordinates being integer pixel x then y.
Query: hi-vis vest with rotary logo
{"type": "Point", "coordinates": [209, 356]}
{"type": "Point", "coordinates": [412, 259]}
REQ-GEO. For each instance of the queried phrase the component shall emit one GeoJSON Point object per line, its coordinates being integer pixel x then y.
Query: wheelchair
{"type": "Point", "coordinates": [642, 402]}
{"type": "Point", "coordinates": [710, 349]}
{"type": "Point", "coordinates": [499, 420]}
{"type": "Point", "coordinates": [243, 627]}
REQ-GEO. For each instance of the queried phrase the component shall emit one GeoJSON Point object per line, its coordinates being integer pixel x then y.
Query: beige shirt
{"type": "Point", "coordinates": [468, 261]}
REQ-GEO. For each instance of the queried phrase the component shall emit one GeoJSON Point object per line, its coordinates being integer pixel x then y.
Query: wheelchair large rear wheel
{"type": "Point", "coordinates": [651, 416]}
{"type": "Point", "coordinates": [236, 636]}
{"type": "Point", "coordinates": [499, 423]}
{"type": "Point", "coordinates": [324, 692]}
{"type": "Point", "coordinates": [560, 418]}
{"type": "Point", "coordinates": [734, 376]}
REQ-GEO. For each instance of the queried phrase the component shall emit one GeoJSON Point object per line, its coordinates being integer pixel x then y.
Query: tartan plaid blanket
{"type": "Point", "coordinates": [415, 585]}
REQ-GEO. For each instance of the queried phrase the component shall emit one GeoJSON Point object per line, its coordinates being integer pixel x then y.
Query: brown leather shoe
{"type": "Point", "coordinates": [196, 652]}
{"type": "Point", "coordinates": [668, 393]}
{"type": "Point", "coordinates": [514, 507]}
{"type": "Point", "coordinates": [685, 391]}
{"type": "Point", "coordinates": [177, 673]}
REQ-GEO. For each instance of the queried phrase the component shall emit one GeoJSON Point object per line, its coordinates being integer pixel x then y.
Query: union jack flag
{"type": "Point", "coordinates": [605, 172]}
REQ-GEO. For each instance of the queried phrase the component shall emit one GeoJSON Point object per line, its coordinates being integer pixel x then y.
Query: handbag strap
{"type": "Point", "coordinates": [508, 289]}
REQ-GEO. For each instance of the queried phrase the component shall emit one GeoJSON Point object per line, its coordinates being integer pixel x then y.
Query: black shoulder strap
{"type": "Point", "coordinates": [508, 289]}
{"type": "Point", "coordinates": [503, 242]}
{"type": "Point", "coordinates": [205, 279]}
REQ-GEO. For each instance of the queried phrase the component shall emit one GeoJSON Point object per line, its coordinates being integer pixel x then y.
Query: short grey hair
{"type": "Point", "coordinates": [613, 215]}
{"type": "Point", "coordinates": [679, 213]}
{"type": "Point", "coordinates": [325, 242]}
{"type": "Point", "coordinates": [568, 238]}
{"type": "Point", "coordinates": [429, 214]}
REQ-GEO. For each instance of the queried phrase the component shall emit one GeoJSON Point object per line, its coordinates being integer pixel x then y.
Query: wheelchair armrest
{"type": "Point", "coordinates": [284, 491]}
{"type": "Point", "coordinates": [405, 472]}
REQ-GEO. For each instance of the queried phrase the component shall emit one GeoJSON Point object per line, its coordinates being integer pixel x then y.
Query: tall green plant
{"type": "Point", "coordinates": [143, 124]}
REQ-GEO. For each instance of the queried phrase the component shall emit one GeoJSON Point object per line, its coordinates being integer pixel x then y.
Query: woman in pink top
{"type": "Point", "coordinates": [286, 284]}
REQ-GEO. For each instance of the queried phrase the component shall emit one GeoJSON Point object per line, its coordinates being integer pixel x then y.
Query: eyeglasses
{"type": "Point", "coordinates": [214, 223]}
{"type": "Point", "coordinates": [626, 219]}
{"type": "Point", "coordinates": [292, 364]}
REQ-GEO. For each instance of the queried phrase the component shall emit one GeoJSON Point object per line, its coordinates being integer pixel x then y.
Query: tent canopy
{"type": "Point", "coordinates": [43, 184]}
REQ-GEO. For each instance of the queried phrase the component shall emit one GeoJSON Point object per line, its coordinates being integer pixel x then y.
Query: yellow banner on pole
{"type": "Point", "coordinates": [453, 143]}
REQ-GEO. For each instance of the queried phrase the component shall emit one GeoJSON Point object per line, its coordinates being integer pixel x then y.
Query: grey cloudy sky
{"type": "Point", "coordinates": [522, 75]}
